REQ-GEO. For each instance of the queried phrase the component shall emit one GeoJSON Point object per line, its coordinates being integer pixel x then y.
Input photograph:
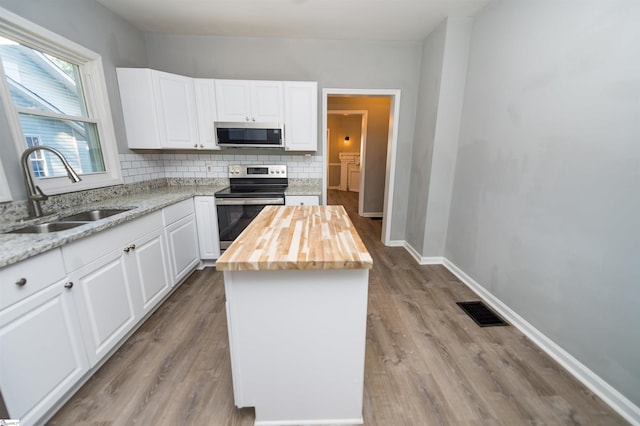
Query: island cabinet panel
{"type": "Point", "coordinates": [43, 354]}
{"type": "Point", "coordinates": [297, 344]}
{"type": "Point", "coordinates": [296, 284]}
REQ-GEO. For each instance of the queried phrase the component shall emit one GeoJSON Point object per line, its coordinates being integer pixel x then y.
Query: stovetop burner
{"type": "Point", "coordinates": [264, 191]}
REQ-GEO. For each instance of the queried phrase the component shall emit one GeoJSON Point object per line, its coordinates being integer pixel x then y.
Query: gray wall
{"type": "Point", "coordinates": [94, 27]}
{"type": "Point", "coordinates": [333, 63]}
{"type": "Point", "coordinates": [429, 95]}
{"type": "Point", "coordinates": [546, 198]}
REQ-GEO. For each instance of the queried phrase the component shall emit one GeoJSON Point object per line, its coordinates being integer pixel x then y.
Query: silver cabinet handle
{"type": "Point", "coordinates": [132, 246]}
{"type": "Point", "coordinates": [128, 249]}
{"type": "Point", "coordinates": [68, 285]}
{"type": "Point", "coordinates": [21, 282]}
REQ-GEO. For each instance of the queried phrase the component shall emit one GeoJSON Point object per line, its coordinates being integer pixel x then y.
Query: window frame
{"type": "Point", "coordinates": [95, 94]}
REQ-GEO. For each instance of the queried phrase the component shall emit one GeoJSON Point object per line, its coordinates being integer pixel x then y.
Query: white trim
{"type": "Point", "coordinates": [359, 421]}
{"type": "Point", "coordinates": [394, 243]}
{"type": "Point", "coordinates": [591, 380]}
{"type": "Point", "coordinates": [392, 148]}
{"type": "Point", "coordinates": [372, 214]}
{"type": "Point", "coordinates": [419, 258]}
{"type": "Point", "coordinates": [95, 92]}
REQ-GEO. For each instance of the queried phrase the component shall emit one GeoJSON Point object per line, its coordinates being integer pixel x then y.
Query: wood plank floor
{"type": "Point", "coordinates": [427, 363]}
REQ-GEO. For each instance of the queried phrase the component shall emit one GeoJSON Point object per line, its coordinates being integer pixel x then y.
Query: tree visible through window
{"type": "Point", "coordinates": [48, 96]}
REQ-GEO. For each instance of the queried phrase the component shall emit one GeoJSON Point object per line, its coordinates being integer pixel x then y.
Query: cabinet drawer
{"type": "Point", "coordinates": [301, 200]}
{"type": "Point", "coordinates": [38, 271]}
{"type": "Point", "coordinates": [86, 250]}
{"type": "Point", "coordinates": [177, 211]}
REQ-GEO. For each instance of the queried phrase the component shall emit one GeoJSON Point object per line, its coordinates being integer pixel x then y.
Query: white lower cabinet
{"type": "Point", "coordinates": [42, 350]}
{"type": "Point", "coordinates": [62, 312]}
{"type": "Point", "coordinates": [182, 237]}
{"type": "Point", "coordinates": [301, 200]}
{"type": "Point", "coordinates": [121, 276]}
{"type": "Point", "coordinates": [207, 221]}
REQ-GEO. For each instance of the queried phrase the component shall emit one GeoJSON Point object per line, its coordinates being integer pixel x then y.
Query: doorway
{"type": "Point", "coordinates": [381, 170]}
{"type": "Point", "coordinates": [346, 145]}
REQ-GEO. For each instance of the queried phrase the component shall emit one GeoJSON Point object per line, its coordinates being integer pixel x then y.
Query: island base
{"type": "Point", "coordinates": [297, 343]}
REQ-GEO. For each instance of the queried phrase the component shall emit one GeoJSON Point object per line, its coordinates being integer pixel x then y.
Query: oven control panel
{"type": "Point", "coordinates": [258, 171]}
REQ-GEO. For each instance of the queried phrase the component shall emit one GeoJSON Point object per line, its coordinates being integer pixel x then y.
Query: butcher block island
{"type": "Point", "coordinates": [296, 284]}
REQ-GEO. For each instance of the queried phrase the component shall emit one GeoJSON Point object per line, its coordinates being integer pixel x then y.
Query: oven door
{"type": "Point", "coordinates": [235, 214]}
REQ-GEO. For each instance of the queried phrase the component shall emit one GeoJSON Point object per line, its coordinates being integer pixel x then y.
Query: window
{"type": "Point", "coordinates": [55, 95]}
{"type": "Point", "coordinates": [38, 162]}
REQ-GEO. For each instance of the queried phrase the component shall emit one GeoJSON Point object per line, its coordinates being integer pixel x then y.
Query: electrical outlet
{"type": "Point", "coordinates": [208, 165]}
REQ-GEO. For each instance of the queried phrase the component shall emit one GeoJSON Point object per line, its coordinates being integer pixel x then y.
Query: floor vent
{"type": "Point", "coordinates": [481, 314]}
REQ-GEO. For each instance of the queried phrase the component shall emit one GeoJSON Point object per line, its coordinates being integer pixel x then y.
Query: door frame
{"type": "Point", "coordinates": [392, 148]}
{"type": "Point", "coordinates": [364, 117]}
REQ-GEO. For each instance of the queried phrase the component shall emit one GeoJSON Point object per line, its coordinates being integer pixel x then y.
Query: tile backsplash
{"type": "Point", "coordinates": [138, 167]}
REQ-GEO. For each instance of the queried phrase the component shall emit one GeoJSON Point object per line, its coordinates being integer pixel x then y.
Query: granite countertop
{"type": "Point", "coordinates": [17, 247]}
{"type": "Point", "coordinates": [297, 237]}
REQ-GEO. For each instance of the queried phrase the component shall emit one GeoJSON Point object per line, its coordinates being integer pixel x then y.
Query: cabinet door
{"type": "Point", "coordinates": [301, 116]}
{"type": "Point", "coordinates": [266, 101]}
{"type": "Point", "coordinates": [105, 303]}
{"type": "Point", "coordinates": [206, 110]}
{"type": "Point", "coordinates": [207, 224]}
{"type": "Point", "coordinates": [176, 109]}
{"type": "Point", "coordinates": [139, 108]}
{"type": "Point", "coordinates": [43, 355]}
{"type": "Point", "coordinates": [301, 200]}
{"type": "Point", "coordinates": [147, 260]}
{"type": "Point", "coordinates": [183, 247]}
{"type": "Point", "coordinates": [233, 100]}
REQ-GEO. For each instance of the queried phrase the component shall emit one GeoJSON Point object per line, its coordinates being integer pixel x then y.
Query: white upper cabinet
{"type": "Point", "coordinates": [301, 115]}
{"type": "Point", "coordinates": [249, 101]}
{"type": "Point", "coordinates": [206, 111]}
{"type": "Point", "coordinates": [159, 109]}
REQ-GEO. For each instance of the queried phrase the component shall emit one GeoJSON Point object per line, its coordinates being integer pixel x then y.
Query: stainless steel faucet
{"type": "Point", "coordinates": [34, 192]}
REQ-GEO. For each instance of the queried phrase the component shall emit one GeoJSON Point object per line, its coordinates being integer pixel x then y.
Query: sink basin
{"type": "Point", "coordinates": [45, 228]}
{"type": "Point", "coordinates": [92, 215]}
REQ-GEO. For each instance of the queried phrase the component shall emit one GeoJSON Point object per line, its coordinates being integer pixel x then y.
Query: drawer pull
{"type": "Point", "coordinates": [21, 282]}
{"type": "Point", "coordinates": [131, 247]}
{"type": "Point", "coordinates": [68, 285]}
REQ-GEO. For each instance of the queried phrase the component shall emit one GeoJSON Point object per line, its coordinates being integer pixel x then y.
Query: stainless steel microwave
{"type": "Point", "coordinates": [249, 135]}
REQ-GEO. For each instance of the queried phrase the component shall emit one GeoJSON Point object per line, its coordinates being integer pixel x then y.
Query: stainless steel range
{"type": "Point", "coordinates": [251, 189]}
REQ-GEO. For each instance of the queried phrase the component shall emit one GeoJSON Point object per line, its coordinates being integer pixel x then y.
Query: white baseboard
{"type": "Point", "coordinates": [372, 214]}
{"type": "Point", "coordinates": [395, 243]}
{"type": "Point", "coordinates": [597, 385]}
{"type": "Point", "coordinates": [422, 260]}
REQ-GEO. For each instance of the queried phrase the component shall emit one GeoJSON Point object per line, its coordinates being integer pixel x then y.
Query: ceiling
{"type": "Point", "coordinates": [317, 19]}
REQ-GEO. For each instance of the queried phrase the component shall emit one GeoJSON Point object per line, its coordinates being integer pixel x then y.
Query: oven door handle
{"type": "Point", "coordinates": [248, 201]}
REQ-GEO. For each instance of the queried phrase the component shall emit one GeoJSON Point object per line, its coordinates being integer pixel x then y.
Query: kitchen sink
{"type": "Point", "coordinates": [45, 228]}
{"type": "Point", "coordinates": [92, 215]}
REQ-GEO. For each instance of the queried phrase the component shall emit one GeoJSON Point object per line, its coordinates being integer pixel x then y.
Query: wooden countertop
{"type": "Point", "coordinates": [297, 237]}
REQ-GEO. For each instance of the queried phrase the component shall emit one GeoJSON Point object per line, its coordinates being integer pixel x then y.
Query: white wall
{"type": "Point", "coordinates": [545, 211]}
